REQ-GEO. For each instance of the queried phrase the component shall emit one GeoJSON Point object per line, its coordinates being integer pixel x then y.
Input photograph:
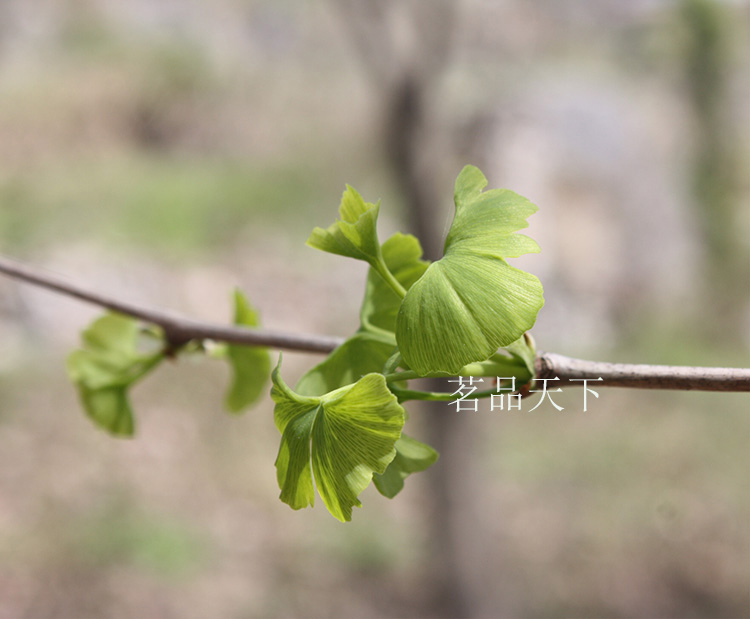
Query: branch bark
{"type": "Point", "coordinates": [179, 330]}
{"type": "Point", "coordinates": [640, 376]}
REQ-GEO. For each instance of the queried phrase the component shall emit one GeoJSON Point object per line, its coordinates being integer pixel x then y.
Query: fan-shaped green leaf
{"type": "Point", "coordinates": [411, 457]}
{"type": "Point", "coordinates": [471, 302]}
{"type": "Point", "coordinates": [361, 354]}
{"type": "Point", "coordinates": [341, 439]}
{"type": "Point", "coordinates": [106, 367]}
{"type": "Point", "coordinates": [355, 234]}
{"type": "Point", "coordinates": [402, 254]}
{"type": "Point", "coordinates": [251, 365]}
{"type": "Point", "coordinates": [109, 408]}
{"type": "Point", "coordinates": [524, 350]}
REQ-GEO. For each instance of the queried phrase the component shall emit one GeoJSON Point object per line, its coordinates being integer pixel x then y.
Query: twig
{"type": "Point", "coordinates": [180, 330]}
{"type": "Point", "coordinates": [641, 376]}
{"type": "Point", "coordinates": [177, 329]}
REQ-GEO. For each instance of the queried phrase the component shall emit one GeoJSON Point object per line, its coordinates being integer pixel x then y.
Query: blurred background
{"type": "Point", "coordinates": [165, 152]}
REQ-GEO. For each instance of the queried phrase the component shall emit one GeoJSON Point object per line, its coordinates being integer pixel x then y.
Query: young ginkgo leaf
{"type": "Point", "coordinates": [106, 367]}
{"type": "Point", "coordinates": [402, 254]}
{"type": "Point", "coordinates": [371, 346]}
{"type": "Point", "coordinates": [411, 457]}
{"type": "Point", "coordinates": [368, 350]}
{"type": "Point", "coordinates": [524, 350]}
{"type": "Point", "coordinates": [251, 365]}
{"type": "Point", "coordinates": [362, 353]}
{"type": "Point", "coordinates": [355, 234]}
{"type": "Point", "coordinates": [339, 439]}
{"type": "Point", "coordinates": [471, 302]}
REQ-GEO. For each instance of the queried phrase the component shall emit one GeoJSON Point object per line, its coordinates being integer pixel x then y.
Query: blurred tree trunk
{"type": "Point", "coordinates": [405, 120]}
{"type": "Point", "coordinates": [714, 173]}
{"type": "Point", "coordinates": [408, 75]}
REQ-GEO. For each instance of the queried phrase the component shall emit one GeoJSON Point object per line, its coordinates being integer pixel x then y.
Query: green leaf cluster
{"type": "Point", "coordinates": [112, 360]}
{"type": "Point", "coordinates": [464, 314]}
{"type": "Point", "coordinates": [342, 425]}
{"type": "Point", "coordinates": [369, 349]}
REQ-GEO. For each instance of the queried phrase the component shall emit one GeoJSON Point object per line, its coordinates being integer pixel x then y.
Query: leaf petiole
{"type": "Point", "coordinates": [436, 396]}
{"type": "Point", "coordinates": [484, 368]}
{"type": "Point", "coordinates": [384, 272]}
{"type": "Point", "coordinates": [392, 364]}
{"type": "Point", "coordinates": [395, 377]}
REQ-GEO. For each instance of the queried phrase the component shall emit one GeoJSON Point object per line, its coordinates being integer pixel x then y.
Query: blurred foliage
{"type": "Point", "coordinates": [122, 535]}
{"type": "Point", "coordinates": [201, 204]}
{"type": "Point", "coordinates": [716, 160]}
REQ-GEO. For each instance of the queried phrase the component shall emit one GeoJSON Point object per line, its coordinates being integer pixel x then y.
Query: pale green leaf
{"type": "Point", "coordinates": [402, 254]}
{"type": "Point", "coordinates": [411, 457]}
{"type": "Point", "coordinates": [471, 302]}
{"type": "Point", "coordinates": [524, 350]}
{"type": "Point", "coordinates": [368, 349]}
{"type": "Point", "coordinates": [109, 408]}
{"type": "Point", "coordinates": [355, 234]}
{"type": "Point", "coordinates": [106, 367]}
{"type": "Point", "coordinates": [517, 360]}
{"type": "Point", "coordinates": [361, 354]}
{"type": "Point", "coordinates": [340, 439]}
{"type": "Point", "coordinates": [251, 365]}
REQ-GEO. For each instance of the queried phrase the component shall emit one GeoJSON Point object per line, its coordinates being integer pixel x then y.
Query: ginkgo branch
{"type": "Point", "coordinates": [642, 376]}
{"type": "Point", "coordinates": [179, 330]}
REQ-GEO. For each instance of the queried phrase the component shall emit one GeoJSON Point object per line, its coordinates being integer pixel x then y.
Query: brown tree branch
{"type": "Point", "coordinates": [640, 376]}
{"type": "Point", "coordinates": [180, 330]}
